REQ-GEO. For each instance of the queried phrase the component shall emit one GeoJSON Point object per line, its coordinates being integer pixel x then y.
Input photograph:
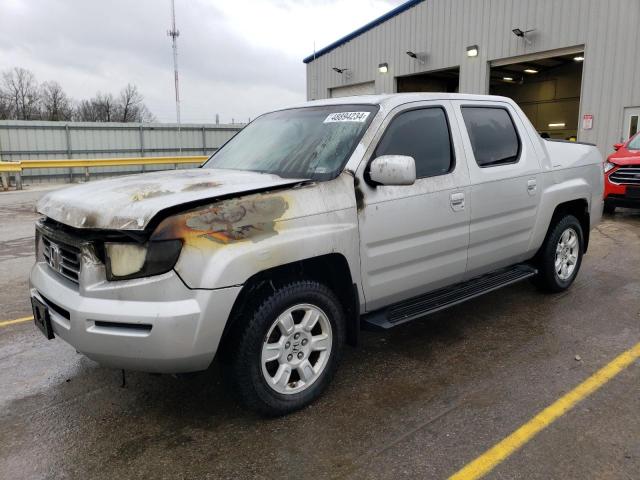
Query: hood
{"type": "Point", "coordinates": [625, 157]}
{"type": "Point", "coordinates": [130, 202]}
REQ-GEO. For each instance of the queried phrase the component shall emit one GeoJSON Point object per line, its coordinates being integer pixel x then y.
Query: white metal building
{"type": "Point", "coordinates": [572, 65]}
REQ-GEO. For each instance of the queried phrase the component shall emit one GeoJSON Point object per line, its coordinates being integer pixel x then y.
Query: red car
{"type": "Point", "coordinates": [622, 176]}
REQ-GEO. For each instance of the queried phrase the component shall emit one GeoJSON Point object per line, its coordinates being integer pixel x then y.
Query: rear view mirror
{"type": "Point", "coordinates": [393, 170]}
{"type": "Point", "coordinates": [618, 146]}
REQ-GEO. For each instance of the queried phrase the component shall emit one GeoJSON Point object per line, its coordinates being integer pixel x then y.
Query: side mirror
{"type": "Point", "coordinates": [618, 146]}
{"type": "Point", "coordinates": [393, 170]}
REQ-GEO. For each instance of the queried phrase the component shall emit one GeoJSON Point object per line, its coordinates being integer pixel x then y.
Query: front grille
{"type": "Point", "coordinates": [62, 258]}
{"type": "Point", "coordinates": [627, 175]}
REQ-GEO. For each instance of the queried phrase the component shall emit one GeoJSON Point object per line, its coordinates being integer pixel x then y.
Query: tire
{"type": "Point", "coordinates": [609, 208]}
{"type": "Point", "coordinates": [258, 373]}
{"type": "Point", "coordinates": [566, 240]}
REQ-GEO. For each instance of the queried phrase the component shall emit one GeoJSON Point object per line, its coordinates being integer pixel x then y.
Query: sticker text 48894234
{"type": "Point", "coordinates": [359, 117]}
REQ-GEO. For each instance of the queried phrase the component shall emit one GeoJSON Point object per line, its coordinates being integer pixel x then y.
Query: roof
{"type": "Point", "coordinates": [396, 11]}
{"type": "Point", "coordinates": [392, 100]}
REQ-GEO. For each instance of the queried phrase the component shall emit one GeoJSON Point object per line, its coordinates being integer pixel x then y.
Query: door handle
{"type": "Point", "coordinates": [532, 185]}
{"type": "Point", "coordinates": [457, 201]}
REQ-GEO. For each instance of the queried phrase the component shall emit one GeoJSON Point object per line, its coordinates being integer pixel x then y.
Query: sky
{"type": "Point", "coordinates": [237, 58]}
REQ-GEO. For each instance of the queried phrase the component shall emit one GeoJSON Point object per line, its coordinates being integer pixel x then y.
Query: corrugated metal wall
{"type": "Point", "coordinates": [29, 140]}
{"type": "Point", "coordinates": [442, 29]}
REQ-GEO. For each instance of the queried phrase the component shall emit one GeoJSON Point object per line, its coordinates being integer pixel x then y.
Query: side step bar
{"type": "Point", "coordinates": [437, 300]}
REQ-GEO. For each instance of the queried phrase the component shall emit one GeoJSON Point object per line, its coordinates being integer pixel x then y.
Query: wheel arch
{"type": "Point", "coordinates": [579, 208]}
{"type": "Point", "coordinates": [331, 270]}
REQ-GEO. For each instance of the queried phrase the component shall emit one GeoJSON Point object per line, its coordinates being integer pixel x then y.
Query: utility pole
{"type": "Point", "coordinates": [174, 33]}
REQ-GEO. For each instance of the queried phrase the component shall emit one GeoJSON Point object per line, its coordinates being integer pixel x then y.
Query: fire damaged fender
{"type": "Point", "coordinates": [228, 241]}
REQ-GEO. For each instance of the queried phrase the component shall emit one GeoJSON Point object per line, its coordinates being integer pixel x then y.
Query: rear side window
{"type": "Point", "coordinates": [493, 135]}
{"type": "Point", "coordinates": [424, 135]}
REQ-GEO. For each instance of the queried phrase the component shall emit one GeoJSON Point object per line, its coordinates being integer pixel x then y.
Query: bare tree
{"type": "Point", "coordinates": [106, 107]}
{"type": "Point", "coordinates": [131, 107]}
{"type": "Point", "coordinates": [55, 103]}
{"type": "Point", "coordinates": [129, 101]}
{"type": "Point", "coordinates": [20, 88]}
{"type": "Point", "coordinates": [145, 115]}
{"type": "Point", "coordinates": [101, 108]}
{"type": "Point", "coordinates": [22, 99]}
{"type": "Point", "coordinates": [85, 112]}
{"type": "Point", "coordinates": [5, 109]}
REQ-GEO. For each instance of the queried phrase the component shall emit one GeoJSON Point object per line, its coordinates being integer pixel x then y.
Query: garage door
{"type": "Point", "coordinates": [367, 88]}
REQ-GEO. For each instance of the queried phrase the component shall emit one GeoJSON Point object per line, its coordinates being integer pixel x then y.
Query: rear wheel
{"type": "Point", "coordinates": [288, 350]}
{"type": "Point", "coordinates": [561, 255]}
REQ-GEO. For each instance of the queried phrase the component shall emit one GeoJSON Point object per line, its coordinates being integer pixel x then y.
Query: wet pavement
{"type": "Point", "coordinates": [418, 402]}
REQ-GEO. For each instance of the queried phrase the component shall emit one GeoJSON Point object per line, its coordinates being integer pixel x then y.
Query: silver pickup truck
{"type": "Point", "coordinates": [311, 223]}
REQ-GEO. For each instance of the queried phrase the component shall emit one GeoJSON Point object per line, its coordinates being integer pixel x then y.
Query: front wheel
{"type": "Point", "coordinates": [288, 350]}
{"type": "Point", "coordinates": [561, 255]}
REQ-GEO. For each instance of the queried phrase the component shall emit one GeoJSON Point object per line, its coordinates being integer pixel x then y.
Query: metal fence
{"type": "Point", "coordinates": [34, 140]}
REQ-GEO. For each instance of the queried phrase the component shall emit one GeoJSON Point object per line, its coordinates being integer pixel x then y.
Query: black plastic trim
{"type": "Point", "coordinates": [145, 327]}
{"type": "Point", "coordinates": [431, 302]}
{"type": "Point", "coordinates": [56, 308]}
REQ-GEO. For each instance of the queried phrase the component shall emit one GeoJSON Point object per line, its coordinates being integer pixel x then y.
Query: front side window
{"type": "Point", "coordinates": [310, 142]}
{"type": "Point", "coordinates": [493, 135]}
{"type": "Point", "coordinates": [424, 135]}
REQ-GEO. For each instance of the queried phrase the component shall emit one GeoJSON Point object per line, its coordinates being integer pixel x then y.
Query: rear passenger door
{"type": "Point", "coordinates": [504, 194]}
{"type": "Point", "coordinates": [414, 237]}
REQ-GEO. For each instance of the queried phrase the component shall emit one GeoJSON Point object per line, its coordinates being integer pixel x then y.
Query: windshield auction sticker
{"type": "Point", "coordinates": [359, 117]}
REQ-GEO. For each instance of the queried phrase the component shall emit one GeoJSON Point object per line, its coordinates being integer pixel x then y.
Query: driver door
{"type": "Point", "coordinates": [414, 238]}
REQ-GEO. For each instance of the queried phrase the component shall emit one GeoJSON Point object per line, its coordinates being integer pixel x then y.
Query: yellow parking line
{"type": "Point", "coordinates": [494, 456]}
{"type": "Point", "coordinates": [17, 320]}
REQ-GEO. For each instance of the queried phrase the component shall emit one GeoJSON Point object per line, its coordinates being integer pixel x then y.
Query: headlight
{"type": "Point", "coordinates": [133, 260]}
{"type": "Point", "coordinates": [608, 166]}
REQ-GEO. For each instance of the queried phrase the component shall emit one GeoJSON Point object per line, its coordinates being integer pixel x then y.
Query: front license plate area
{"type": "Point", "coordinates": [633, 192]}
{"type": "Point", "coordinates": [41, 317]}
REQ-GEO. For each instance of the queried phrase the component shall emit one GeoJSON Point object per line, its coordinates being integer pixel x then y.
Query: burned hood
{"type": "Point", "coordinates": [130, 202]}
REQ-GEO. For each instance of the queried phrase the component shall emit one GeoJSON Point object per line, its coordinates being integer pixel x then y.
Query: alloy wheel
{"type": "Point", "coordinates": [296, 349]}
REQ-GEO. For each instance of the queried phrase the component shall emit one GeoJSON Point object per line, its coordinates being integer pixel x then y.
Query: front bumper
{"type": "Point", "coordinates": [153, 324]}
{"type": "Point", "coordinates": [622, 200]}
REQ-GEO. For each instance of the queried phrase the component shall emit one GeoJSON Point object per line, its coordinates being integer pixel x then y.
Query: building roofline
{"type": "Point", "coordinates": [396, 11]}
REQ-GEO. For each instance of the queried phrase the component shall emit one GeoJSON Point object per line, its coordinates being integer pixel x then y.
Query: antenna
{"type": "Point", "coordinates": [174, 34]}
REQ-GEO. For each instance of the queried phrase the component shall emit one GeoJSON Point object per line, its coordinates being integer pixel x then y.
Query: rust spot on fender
{"type": "Point", "coordinates": [237, 219]}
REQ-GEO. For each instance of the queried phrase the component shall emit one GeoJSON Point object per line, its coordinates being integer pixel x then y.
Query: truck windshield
{"type": "Point", "coordinates": [309, 142]}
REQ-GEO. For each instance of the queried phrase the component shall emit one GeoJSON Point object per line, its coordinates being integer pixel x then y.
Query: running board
{"type": "Point", "coordinates": [437, 300]}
